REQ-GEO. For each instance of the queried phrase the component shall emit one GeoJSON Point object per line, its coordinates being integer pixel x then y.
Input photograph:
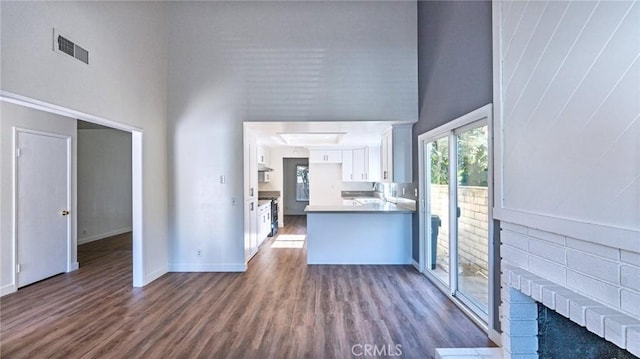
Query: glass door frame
{"type": "Point", "coordinates": [477, 118]}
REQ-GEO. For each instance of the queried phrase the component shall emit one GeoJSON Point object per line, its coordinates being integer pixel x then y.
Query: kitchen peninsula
{"type": "Point", "coordinates": [359, 232]}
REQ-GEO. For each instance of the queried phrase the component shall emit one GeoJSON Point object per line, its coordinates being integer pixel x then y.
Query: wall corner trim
{"type": "Point", "coordinates": [155, 274]}
{"type": "Point", "coordinates": [7, 289]}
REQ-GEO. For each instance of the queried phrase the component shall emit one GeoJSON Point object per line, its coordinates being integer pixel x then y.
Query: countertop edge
{"type": "Point", "coordinates": [357, 209]}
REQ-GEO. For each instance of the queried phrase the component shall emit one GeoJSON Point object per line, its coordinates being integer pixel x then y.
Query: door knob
{"type": "Point", "coordinates": [65, 213]}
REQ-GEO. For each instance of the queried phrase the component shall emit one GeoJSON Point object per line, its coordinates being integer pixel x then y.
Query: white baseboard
{"type": "Point", "coordinates": [155, 274]}
{"type": "Point", "coordinates": [74, 266]}
{"type": "Point", "coordinates": [7, 289]}
{"type": "Point", "coordinates": [104, 235]}
{"type": "Point", "coordinates": [211, 267]}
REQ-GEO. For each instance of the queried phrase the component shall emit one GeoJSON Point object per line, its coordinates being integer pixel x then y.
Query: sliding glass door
{"type": "Point", "coordinates": [456, 215]}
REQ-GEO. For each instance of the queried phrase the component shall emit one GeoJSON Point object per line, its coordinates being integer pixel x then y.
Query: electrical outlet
{"type": "Point", "coordinates": [415, 192]}
{"type": "Point", "coordinates": [199, 252]}
{"type": "Point", "coordinates": [403, 191]}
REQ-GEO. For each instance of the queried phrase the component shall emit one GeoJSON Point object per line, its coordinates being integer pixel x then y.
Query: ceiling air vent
{"type": "Point", "coordinates": [62, 44]}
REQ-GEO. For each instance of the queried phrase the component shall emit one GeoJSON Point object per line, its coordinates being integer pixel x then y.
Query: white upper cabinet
{"type": "Point", "coordinates": [325, 156]}
{"type": "Point", "coordinates": [361, 165]}
{"type": "Point", "coordinates": [264, 177]}
{"type": "Point", "coordinates": [386, 157]}
{"type": "Point", "coordinates": [373, 164]}
{"type": "Point", "coordinates": [396, 156]}
{"type": "Point", "coordinates": [263, 155]}
{"type": "Point", "coordinates": [347, 165]}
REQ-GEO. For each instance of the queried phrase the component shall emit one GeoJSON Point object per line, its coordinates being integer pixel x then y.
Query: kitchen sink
{"type": "Point", "coordinates": [350, 202]}
{"type": "Point", "coordinates": [367, 200]}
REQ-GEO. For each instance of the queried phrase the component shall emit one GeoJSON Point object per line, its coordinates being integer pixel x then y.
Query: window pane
{"type": "Point", "coordinates": [438, 185]}
{"type": "Point", "coordinates": [302, 183]}
{"type": "Point", "coordinates": [473, 219]}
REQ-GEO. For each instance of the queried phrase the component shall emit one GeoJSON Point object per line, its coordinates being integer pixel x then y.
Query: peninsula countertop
{"type": "Point", "coordinates": [367, 231]}
{"type": "Point", "coordinates": [376, 207]}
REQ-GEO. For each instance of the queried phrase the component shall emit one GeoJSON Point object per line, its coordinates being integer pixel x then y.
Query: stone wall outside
{"type": "Point", "coordinates": [472, 227]}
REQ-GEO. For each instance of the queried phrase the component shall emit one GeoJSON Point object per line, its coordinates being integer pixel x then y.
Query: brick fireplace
{"type": "Point", "coordinates": [594, 286]}
{"type": "Point", "coordinates": [521, 293]}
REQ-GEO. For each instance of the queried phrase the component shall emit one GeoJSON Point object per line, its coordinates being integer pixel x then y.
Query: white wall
{"type": "Point", "coordinates": [568, 144]}
{"type": "Point", "coordinates": [231, 62]}
{"type": "Point", "coordinates": [325, 184]}
{"type": "Point", "coordinates": [125, 82]}
{"type": "Point", "coordinates": [104, 183]}
{"type": "Point", "coordinates": [569, 135]}
{"type": "Point", "coordinates": [18, 116]}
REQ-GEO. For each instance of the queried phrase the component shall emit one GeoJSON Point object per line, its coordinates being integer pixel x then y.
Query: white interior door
{"type": "Point", "coordinates": [42, 201]}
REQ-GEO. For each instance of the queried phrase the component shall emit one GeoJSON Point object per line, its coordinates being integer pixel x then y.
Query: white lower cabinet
{"type": "Point", "coordinates": [251, 229]}
{"type": "Point", "coordinates": [264, 222]}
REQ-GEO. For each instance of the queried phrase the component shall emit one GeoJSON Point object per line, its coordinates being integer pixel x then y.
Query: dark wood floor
{"type": "Point", "coordinates": [279, 308]}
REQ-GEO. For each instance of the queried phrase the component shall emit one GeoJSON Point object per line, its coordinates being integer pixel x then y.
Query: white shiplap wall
{"type": "Point", "coordinates": [569, 113]}
{"type": "Point", "coordinates": [567, 99]}
{"type": "Point", "coordinates": [231, 62]}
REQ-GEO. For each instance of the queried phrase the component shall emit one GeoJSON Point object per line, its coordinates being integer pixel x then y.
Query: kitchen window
{"type": "Point", "coordinates": [302, 183]}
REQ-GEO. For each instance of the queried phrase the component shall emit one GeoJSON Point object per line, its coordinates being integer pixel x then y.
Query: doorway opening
{"type": "Point", "coordinates": [295, 198]}
{"type": "Point", "coordinates": [104, 182]}
{"type": "Point", "coordinates": [296, 186]}
{"type": "Point", "coordinates": [136, 187]}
